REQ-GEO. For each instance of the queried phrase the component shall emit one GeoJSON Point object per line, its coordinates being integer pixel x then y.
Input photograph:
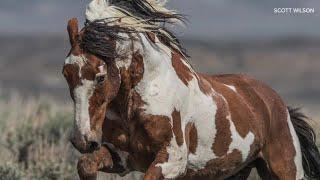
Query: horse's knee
{"type": "Point", "coordinates": [87, 168]}
{"type": "Point", "coordinates": [153, 173]}
{"type": "Point", "coordinates": [176, 164]}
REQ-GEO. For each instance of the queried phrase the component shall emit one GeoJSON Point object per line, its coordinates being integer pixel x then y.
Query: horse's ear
{"type": "Point", "coordinates": [73, 31]}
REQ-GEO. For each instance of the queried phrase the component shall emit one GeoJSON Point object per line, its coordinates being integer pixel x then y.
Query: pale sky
{"type": "Point", "coordinates": [209, 19]}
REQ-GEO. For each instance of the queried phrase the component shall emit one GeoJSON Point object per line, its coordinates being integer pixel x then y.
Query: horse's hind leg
{"type": "Point", "coordinates": [282, 151]}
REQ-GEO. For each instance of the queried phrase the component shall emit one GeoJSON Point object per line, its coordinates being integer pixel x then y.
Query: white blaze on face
{"type": "Point", "coordinates": [82, 94]}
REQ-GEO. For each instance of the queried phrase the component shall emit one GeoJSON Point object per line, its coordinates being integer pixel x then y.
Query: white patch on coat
{"type": "Point", "coordinates": [202, 112]}
{"type": "Point", "coordinates": [82, 95]}
{"type": "Point", "coordinates": [298, 155]}
{"type": "Point", "coordinates": [233, 88]}
{"type": "Point", "coordinates": [163, 91]}
{"type": "Point", "coordinates": [177, 161]}
{"type": "Point", "coordinates": [239, 143]}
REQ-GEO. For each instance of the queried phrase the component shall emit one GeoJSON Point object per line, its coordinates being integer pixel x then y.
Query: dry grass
{"type": "Point", "coordinates": [34, 140]}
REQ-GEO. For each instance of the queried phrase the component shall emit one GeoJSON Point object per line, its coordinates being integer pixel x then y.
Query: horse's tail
{"type": "Point", "coordinates": [307, 138]}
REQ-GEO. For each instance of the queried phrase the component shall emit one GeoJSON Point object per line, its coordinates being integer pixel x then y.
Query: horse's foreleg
{"type": "Point", "coordinates": [154, 172]}
{"type": "Point", "coordinates": [168, 164]}
{"type": "Point", "coordinates": [90, 164]}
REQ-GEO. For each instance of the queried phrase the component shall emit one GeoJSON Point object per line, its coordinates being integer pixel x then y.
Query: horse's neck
{"type": "Point", "coordinates": [167, 79]}
{"type": "Point", "coordinates": [163, 83]}
{"type": "Point", "coordinates": [154, 59]}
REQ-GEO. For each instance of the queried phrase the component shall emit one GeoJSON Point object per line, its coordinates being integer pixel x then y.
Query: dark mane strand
{"type": "Point", "coordinates": [99, 36]}
{"type": "Point", "coordinates": [174, 40]}
{"type": "Point", "coordinates": [99, 39]}
{"type": "Point", "coordinates": [144, 10]}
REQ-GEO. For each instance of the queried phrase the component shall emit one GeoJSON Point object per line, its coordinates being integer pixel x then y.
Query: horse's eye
{"type": "Point", "coordinates": [100, 79]}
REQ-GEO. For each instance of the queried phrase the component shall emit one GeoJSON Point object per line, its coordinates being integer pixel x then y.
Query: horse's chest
{"type": "Point", "coordinates": [142, 150]}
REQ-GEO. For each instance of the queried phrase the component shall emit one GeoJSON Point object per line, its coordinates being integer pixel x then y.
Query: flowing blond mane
{"type": "Point", "coordinates": [138, 16]}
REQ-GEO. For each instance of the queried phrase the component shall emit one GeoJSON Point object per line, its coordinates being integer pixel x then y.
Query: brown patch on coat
{"type": "Point", "coordinates": [151, 36]}
{"type": "Point", "coordinates": [176, 127]}
{"type": "Point", "coordinates": [136, 69]}
{"type": "Point", "coordinates": [71, 73]}
{"type": "Point", "coordinates": [219, 168]}
{"type": "Point", "coordinates": [113, 81]}
{"type": "Point", "coordinates": [183, 72]}
{"type": "Point", "coordinates": [191, 135]}
{"type": "Point", "coordinates": [90, 68]}
{"type": "Point", "coordinates": [158, 128]}
{"type": "Point", "coordinates": [223, 138]}
{"type": "Point", "coordinates": [114, 132]}
{"type": "Point", "coordinates": [204, 85]}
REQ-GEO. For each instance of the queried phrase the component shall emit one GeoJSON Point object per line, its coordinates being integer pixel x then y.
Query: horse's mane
{"type": "Point", "coordinates": [129, 16]}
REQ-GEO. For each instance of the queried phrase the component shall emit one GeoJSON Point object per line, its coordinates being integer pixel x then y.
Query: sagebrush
{"type": "Point", "coordinates": [35, 140]}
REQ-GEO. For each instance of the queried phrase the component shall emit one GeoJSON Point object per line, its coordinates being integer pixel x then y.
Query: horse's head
{"type": "Point", "coordinates": [93, 82]}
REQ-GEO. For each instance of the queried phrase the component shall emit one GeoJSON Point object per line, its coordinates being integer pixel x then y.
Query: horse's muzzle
{"type": "Point", "coordinates": [84, 144]}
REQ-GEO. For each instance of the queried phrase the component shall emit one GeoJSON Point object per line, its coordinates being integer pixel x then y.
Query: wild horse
{"type": "Point", "coordinates": [139, 105]}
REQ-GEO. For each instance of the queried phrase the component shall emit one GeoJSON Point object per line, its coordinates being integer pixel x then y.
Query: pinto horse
{"type": "Point", "coordinates": [140, 106]}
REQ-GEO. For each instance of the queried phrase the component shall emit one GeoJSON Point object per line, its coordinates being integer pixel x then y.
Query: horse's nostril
{"type": "Point", "coordinates": [94, 145]}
